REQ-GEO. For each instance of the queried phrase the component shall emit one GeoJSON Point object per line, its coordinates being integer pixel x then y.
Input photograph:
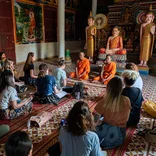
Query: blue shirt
{"type": "Point", "coordinates": [45, 85]}
{"type": "Point", "coordinates": [85, 145]}
{"type": "Point", "coordinates": [60, 75]}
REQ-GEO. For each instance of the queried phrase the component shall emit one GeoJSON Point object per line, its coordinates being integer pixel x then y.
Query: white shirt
{"type": "Point", "coordinates": [7, 95]}
{"type": "Point", "coordinates": [138, 83]}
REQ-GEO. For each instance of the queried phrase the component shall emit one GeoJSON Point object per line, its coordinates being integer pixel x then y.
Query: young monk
{"type": "Point", "coordinates": [108, 71]}
{"type": "Point", "coordinates": [82, 68]}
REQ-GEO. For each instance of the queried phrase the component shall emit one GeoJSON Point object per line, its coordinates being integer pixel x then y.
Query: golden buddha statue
{"type": "Point", "coordinates": [115, 43]}
{"type": "Point", "coordinates": [147, 31]}
{"type": "Point", "coordinates": [90, 38]}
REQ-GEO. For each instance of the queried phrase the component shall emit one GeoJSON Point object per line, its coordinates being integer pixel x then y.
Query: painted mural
{"type": "Point", "coordinates": [69, 26]}
{"type": "Point", "coordinates": [29, 23]}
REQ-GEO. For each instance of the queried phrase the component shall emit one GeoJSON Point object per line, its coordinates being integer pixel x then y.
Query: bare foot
{"type": "Point", "coordinates": [145, 65]}
{"type": "Point", "coordinates": [140, 64]}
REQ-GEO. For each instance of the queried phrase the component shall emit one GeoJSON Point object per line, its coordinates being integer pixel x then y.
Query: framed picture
{"type": "Point", "coordinates": [29, 23]}
{"type": "Point", "coordinates": [69, 26]}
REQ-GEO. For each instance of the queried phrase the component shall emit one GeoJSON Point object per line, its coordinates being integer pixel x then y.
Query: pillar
{"type": "Point", "coordinates": [94, 7]}
{"type": "Point", "coordinates": [61, 28]}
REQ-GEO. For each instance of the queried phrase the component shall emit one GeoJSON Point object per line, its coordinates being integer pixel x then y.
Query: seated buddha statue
{"type": "Point", "coordinates": [114, 43]}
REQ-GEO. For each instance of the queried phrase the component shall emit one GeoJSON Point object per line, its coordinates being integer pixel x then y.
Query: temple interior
{"type": "Point", "coordinates": [93, 42]}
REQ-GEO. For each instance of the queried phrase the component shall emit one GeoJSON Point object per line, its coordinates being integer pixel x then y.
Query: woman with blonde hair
{"type": "Point", "coordinates": [134, 94]}
{"type": "Point", "coordinates": [29, 77]}
{"type": "Point", "coordinates": [9, 67]}
{"type": "Point", "coordinates": [115, 108]}
{"type": "Point", "coordinates": [133, 67]}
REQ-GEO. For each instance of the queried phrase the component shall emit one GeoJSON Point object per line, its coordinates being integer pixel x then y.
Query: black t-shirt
{"type": "Point", "coordinates": [27, 71]}
{"type": "Point", "coordinates": [135, 96]}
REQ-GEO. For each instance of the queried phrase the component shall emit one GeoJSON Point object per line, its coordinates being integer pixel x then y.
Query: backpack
{"type": "Point", "coordinates": [77, 91]}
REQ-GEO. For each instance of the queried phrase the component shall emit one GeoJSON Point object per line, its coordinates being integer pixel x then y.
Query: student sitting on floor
{"type": "Point", "coordinates": [46, 86]}
{"type": "Point", "coordinates": [134, 94]}
{"type": "Point", "coordinates": [29, 77]}
{"type": "Point", "coordinates": [115, 108]}
{"type": "Point", "coordinates": [19, 144]}
{"type": "Point", "coordinates": [10, 105]}
{"type": "Point", "coordinates": [133, 67]}
{"type": "Point", "coordinates": [9, 67]}
{"type": "Point", "coordinates": [61, 78]}
{"type": "Point", "coordinates": [76, 136]}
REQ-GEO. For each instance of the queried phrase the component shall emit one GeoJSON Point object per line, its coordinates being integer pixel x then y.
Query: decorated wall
{"type": "Point", "coordinates": [35, 26]}
{"type": "Point", "coordinates": [128, 16]}
{"type": "Point", "coordinates": [29, 23]}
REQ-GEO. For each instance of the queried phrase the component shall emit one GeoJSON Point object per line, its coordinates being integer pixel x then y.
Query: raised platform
{"type": "Point", "coordinates": [115, 57]}
{"type": "Point", "coordinates": [143, 70]}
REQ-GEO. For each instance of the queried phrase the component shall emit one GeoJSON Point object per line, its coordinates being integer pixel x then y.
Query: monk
{"type": "Point", "coordinates": [108, 71]}
{"type": "Point", "coordinates": [82, 68]}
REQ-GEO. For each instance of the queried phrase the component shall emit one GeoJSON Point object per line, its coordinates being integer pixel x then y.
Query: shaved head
{"type": "Point", "coordinates": [81, 55]}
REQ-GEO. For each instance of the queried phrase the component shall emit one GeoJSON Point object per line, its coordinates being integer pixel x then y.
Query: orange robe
{"type": "Point", "coordinates": [115, 43]}
{"type": "Point", "coordinates": [109, 69]}
{"type": "Point", "coordinates": [147, 42]}
{"type": "Point", "coordinates": [82, 66]}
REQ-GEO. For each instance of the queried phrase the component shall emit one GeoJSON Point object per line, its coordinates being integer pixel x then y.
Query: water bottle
{"type": "Point", "coordinates": [78, 96]}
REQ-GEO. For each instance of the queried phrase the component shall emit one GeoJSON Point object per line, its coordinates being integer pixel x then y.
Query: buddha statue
{"type": "Point", "coordinates": [115, 43]}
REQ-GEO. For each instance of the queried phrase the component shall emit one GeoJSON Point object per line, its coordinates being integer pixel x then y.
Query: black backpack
{"type": "Point", "coordinates": [78, 90]}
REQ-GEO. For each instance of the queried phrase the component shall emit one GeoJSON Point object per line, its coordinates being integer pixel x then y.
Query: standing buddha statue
{"type": "Point", "coordinates": [147, 31]}
{"type": "Point", "coordinates": [90, 38]}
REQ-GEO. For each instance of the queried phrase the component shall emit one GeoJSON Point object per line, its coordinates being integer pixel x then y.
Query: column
{"type": "Point", "coordinates": [61, 28]}
{"type": "Point", "coordinates": [94, 7]}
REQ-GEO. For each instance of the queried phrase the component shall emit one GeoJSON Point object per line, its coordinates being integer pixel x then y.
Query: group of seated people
{"type": "Point", "coordinates": [47, 86]}
{"type": "Point", "coordinates": [81, 135]}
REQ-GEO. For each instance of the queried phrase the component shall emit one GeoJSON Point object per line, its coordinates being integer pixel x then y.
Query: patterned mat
{"type": "Point", "coordinates": [47, 135]}
{"type": "Point", "coordinates": [44, 137]}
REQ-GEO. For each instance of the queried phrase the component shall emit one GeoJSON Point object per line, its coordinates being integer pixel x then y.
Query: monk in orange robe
{"type": "Point", "coordinates": [108, 71]}
{"type": "Point", "coordinates": [82, 68]}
